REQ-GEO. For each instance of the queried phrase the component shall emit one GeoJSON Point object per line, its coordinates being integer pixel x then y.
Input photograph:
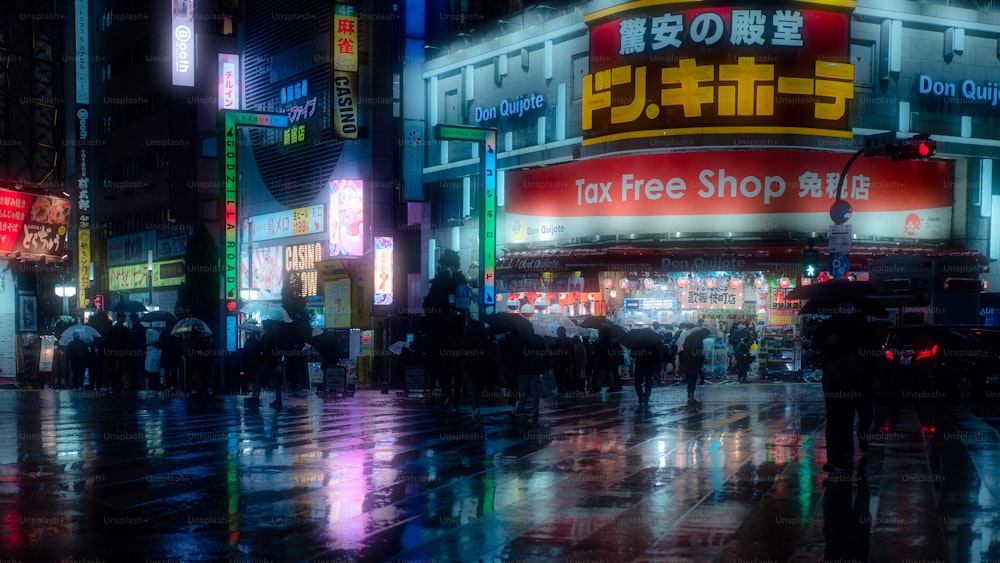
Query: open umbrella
{"type": "Point", "coordinates": [498, 323]}
{"type": "Point", "coordinates": [250, 327]}
{"type": "Point", "coordinates": [86, 333]}
{"type": "Point", "coordinates": [186, 326]}
{"type": "Point", "coordinates": [828, 306]}
{"type": "Point", "coordinates": [595, 322]}
{"type": "Point", "coordinates": [128, 306]}
{"type": "Point", "coordinates": [397, 347]}
{"type": "Point", "coordinates": [833, 289]}
{"type": "Point", "coordinates": [158, 316]}
{"type": "Point", "coordinates": [645, 338]}
{"type": "Point", "coordinates": [266, 311]}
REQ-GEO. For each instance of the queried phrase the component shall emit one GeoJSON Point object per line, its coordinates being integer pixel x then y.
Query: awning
{"type": "Point", "coordinates": [704, 258]}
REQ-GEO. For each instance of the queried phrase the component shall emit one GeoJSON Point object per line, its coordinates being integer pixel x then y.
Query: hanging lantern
{"type": "Point", "coordinates": [608, 282]}
{"type": "Point", "coordinates": [541, 303]}
{"type": "Point", "coordinates": [623, 283]}
{"type": "Point", "coordinates": [613, 293]}
{"type": "Point", "coordinates": [527, 310]}
{"type": "Point", "coordinates": [736, 283]}
{"type": "Point", "coordinates": [682, 282]}
{"type": "Point", "coordinates": [784, 282]}
{"type": "Point", "coordinates": [647, 283]}
{"type": "Point", "coordinates": [759, 282]}
{"type": "Point", "coordinates": [556, 309]}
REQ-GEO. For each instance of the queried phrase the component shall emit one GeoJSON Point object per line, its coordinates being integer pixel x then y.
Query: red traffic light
{"type": "Point", "coordinates": [924, 149]}
{"type": "Point", "coordinates": [917, 146]}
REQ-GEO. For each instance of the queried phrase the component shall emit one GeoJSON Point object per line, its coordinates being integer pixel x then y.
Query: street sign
{"type": "Point", "coordinates": [460, 133]}
{"type": "Point", "coordinates": [839, 265]}
{"type": "Point", "coordinates": [839, 238]}
{"type": "Point", "coordinates": [840, 211]}
{"type": "Point", "coordinates": [98, 302]}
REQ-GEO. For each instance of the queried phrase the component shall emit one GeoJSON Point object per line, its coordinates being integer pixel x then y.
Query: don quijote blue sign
{"type": "Point", "coordinates": [509, 108]}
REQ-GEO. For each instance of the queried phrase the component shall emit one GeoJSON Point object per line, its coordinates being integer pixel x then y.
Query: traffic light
{"type": "Point", "coordinates": [917, 146]}
{"type": "Point", "coordinates": [810, 263]}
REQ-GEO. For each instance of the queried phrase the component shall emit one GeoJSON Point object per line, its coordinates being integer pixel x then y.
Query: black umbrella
{"type": "Point", "coordinates": [833, 289]}
{"type": "Point", "coordinates": [686, 325]}
{"type": "Point", "coordinates": [595, 322]}
{"type": "Point", "coordinates": [616, 331]}
{"type": "Point", "coordinates": [158, 316]}
{"type": "Point", "coordinates": [863, 305]}
{"type": "Point", "coordinates": [641, 338]}
{"type": "Point", "coordinates": [128, 306]}
{"type": "Point", "coordinates": [508, 322]}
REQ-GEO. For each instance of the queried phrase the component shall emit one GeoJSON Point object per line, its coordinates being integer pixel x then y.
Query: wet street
{"type": "Point", "coordinates": [155, 477]}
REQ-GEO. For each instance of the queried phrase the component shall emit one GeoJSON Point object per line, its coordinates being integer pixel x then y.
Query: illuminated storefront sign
{"type": "Point", "coordinates": [516, 107]}
{"type": "Point", "coordinates": [134, 276]}
{"type": "Point", "coordinates": [182, 34]}
{"type": "Point", "coordinates": [232, 120]}
{"type": "Point", "coordinates": [345, 90]}
{"type": "Point", "coordinates": [171, 247]}
{"type": "Point", "coordinates": [82, 66]}
{"type": "Point", "coordinates": [717, 70]}
{"type": "Point", "coordinates": [293, 222]}
{"type": "Point", "coordinates": [383, 270]}
{"type": "Point", "coordinates": [267, 270]}
{"type": "Point", "coordinates": [988, 93]}
{"type": "Point", "coordinates": [229, 81]}
{"type": "Point", "coordinates": [346, 216]}
{"type": "Point", "coordinates": [345, 38]}
{"type": "Point", "coordinates": [31, 224]}
{"type": "Point", "coordinates": [300, 266]}
{"type": "Point", "coordinates": [711, 298]}
{"type": "Point", "coordinates": [746, 191]}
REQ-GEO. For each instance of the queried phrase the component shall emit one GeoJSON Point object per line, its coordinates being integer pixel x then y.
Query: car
{"type": "Point", "coordinates": [956, 362]}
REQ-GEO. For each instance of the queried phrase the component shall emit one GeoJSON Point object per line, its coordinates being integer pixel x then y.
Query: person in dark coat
{"type": "Point", "coordinates": [529, 354]}
{"type": "Point", "coordinates": [197, 346]}
{"type": "Point", "coordinates": [250, 359]}
{"type": "Point", "coordinates": [848, 348]}
{"type": "Point", "coordinates": [691, 359]}
{"type": "Point", "coordinates": [136, 363]}
{"type": "Point", "coordinates": [116, 352]}
{"type": "Point", "coordinates": [478, 353]}
{"type": "Point", "coordinates": [743, 360]}
{"type": "Point", "coordinates": [78, 353]}
{"type": "Point", "coordinates": [645, 358]}
{"type": "Point", "coordinates": [170, 357]}
{"type": "Point", "coordinates": [270, 359]}
{"type": "Point", "coordinates": [608, 355]}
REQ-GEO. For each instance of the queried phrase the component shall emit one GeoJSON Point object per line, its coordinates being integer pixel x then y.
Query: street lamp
{"type": "Point", "coordinates": [66, 292]}
{"type": "Point", "coordinates": [149, 276]}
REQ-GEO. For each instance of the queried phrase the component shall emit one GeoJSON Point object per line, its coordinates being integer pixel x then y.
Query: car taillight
{"type": "Point", "coordinates": [927, 353]}
{"type": "Point", "coordinates": [889, 355]}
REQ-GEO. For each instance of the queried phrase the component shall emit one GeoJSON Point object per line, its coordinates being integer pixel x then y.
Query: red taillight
{"type": "Point", "coordinates": [927, 353]}
{"type": "Point", "coordinates": [889, 355]}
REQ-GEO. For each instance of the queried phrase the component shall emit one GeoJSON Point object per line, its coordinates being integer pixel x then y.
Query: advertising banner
{"type": "Point", "coordinates": [268, 272]}
{"type": "Point", "coordinates": [337, 303]}
{"type": "Point", "coordinates": [165, 274]}
{"type": "Point", "coordinates": [289, 223]}
{"type": "Point", "coordinates": [229, 81]}
{"type": "Point", "coordinates": [131, 249]}
{"type": "Point", "coordinates": [33, 224]}
{"type": "Point", "coordinates": [345, 38]}
{"type": "Point", "coordinates": [345, 86]}
{"type": "Point", "coordinates": [347, 213]}
{"type": "Point", "coordinates": [83, 265]}
{"type": "Point", "coordinates": [383, 270]}
{"type": "Point", "coordinates": [742, 191]}
{"type": "Point", "coordinates": [712, 298]}
{"type": "Point", "coordinates": [182, 35]}
{"type": "Point", "coordinates": [739, 68]}
{"type": "Point", "coordinates": [171, 247]}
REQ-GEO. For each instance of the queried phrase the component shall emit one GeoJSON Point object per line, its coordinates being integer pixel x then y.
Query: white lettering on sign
{"type": "Point", "coordinates": [715, 184]}
{"type": "Point", "coordinates": [969, 90]}
{"type": "Point", "coordinates": [509, 108]}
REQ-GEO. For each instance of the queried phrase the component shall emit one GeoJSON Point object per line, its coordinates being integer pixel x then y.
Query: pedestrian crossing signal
{"type": "Point", "coordinates": [810, 263]}
{"type": "Point", "coordinates": [917, 146]}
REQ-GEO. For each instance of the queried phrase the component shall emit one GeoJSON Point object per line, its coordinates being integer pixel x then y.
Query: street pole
{"type": "Point", "coordinates": [149, 276]}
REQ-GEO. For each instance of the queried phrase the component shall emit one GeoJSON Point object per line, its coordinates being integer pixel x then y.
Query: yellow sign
{"type": "Point", "coordinates": [134, 276]}
{"type": "Point", "coordinates": [345, 37]}
{"type": "Point", "coordinates": [83, 265]}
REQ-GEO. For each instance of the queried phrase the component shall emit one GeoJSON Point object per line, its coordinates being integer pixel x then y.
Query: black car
{"type": "Point", "coordinates": [958, 362]}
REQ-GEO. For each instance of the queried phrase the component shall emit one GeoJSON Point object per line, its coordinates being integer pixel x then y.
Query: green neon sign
{"type": "Point", "coordinates": [459, 133]}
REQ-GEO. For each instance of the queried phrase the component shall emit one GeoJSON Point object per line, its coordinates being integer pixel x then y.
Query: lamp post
{"type": "Point", "coordinates": [66, 291]}
{"type": "Point", "coordinates": [149, 276]}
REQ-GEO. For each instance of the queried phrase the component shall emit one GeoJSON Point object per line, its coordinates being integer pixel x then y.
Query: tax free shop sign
{"type": "Point", "coordinates": [717, 191]}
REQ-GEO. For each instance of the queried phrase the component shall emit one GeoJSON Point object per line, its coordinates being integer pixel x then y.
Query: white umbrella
{"type": "Point", "coordinates": [86, 333]}
{"type": "Point", "coordinates": [397, 347]}
{"type": "Point", "coordinates": [266, 311]}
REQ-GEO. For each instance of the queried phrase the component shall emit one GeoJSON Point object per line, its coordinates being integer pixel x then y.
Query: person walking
{"type": "Point", "coordinates": [477, 354]}
{"type": "Point", "coordinates": [79, 355]}
{"type": "Point", "coordinates": [691, 359]}
{"type": "Point", "coordinates": [136, 355]}
{"type": "Point", "coordinates": [581, 382]}
{"type": "Point", "coordinates": [847, 346]}
{"type": "Point", "coordinates": [116, 352]}
{"type": "Point", "coordinates": [562, 362]}
{"type": "Point", "coordinates": [529, 354]}
{"type": "Point", "coordinates": [170, 357]}
{"type": "Point", "coordinates": [645, 359]}
{"type": "Point", "coordinates": [609, 356]}
{"type": "Point", "coordinates": [270, 359]}
{"type": "Point", "coordinates": [743, 360]}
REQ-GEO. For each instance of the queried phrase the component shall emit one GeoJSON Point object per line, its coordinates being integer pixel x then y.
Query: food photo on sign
{"type": "Point", "coordinates": [33, 224]}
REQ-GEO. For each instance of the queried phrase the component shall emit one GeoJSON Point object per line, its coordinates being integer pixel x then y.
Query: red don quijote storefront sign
{"type": "Point", "coordinates": [32, 224]}
{"type": "Point", "coordinates": [736, 191]}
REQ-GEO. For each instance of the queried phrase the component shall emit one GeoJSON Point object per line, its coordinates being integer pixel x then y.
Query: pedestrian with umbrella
{"type": "Point", "coordinates": [270, 359]}
{"type": "Point", "coordinates": [644, 350]}
{"type": "Point", "coordinates": [116, 352]}
{"type": "Point", "coordinates": [78, 353]}
{"type": "Point", "coordinates": [170, 356]}
{"type": "Point", "coordinates": [692, 357]}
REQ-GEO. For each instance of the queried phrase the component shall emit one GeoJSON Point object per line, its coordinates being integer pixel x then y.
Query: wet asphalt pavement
{"type": "Point", "coordinates": [86, 477]}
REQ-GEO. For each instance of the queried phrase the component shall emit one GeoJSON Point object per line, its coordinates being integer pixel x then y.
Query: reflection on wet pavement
{"type": "Point", "coordinates": [374, 477]}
